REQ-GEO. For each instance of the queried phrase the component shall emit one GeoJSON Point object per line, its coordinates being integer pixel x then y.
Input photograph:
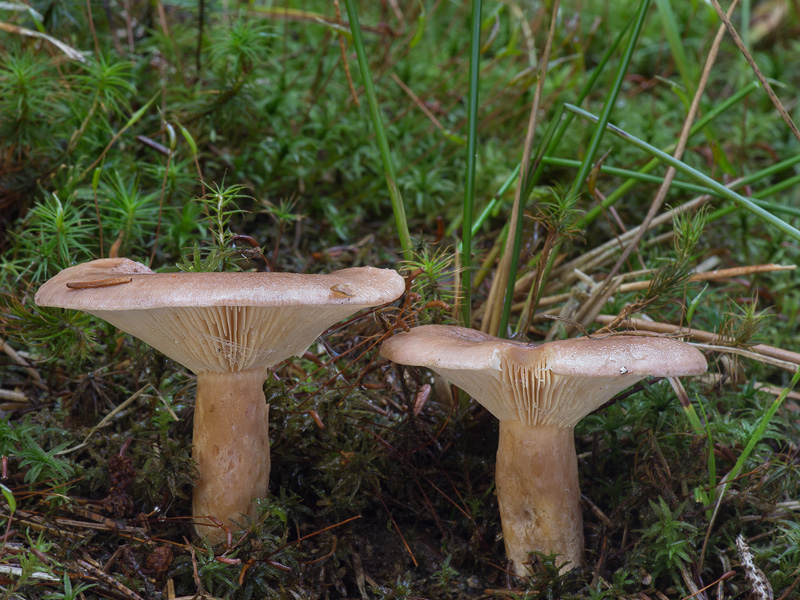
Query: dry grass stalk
{"type": "Point", "coordinates": [702, 336]}
{"type": "Point", "coordinates": [419, 103]}
{"type": "Point", "coordinates": [343, 53]}
{"type": "Point", "coordinates": [13, 395]}
{"type": "Point", "coordinates": [775, 362]}
{"type": "Point", "coordinates": [715, 275]}
{"type": "Point", "coordinates": [69, 51]}
{"type": "Point", "coordinates": [594, 298]}
{"type": "Point", "coordinates": [491, 321]}
{"type": "Point", "coordinates": [589, 260]}
{"type": "Point", "coordinates": [21, 361]}
{"type": "Point", "coordinates": [598, 296]}
{"type": "Point", "coordinates": [588, 312]}
{"type": "Point", "coordinates": [716, 378]}
{"type": "Point", "coordinates": [763, 80]}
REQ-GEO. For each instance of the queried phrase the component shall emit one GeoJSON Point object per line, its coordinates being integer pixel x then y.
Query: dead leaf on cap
{"type": "Point", "coordinates": [340, 292]}
{"type": "Point", "coordinates": [84, 285]}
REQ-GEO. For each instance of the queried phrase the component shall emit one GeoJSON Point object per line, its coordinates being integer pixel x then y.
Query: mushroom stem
{"type": "Point", "coordinates": [538, 493]}
{"type": "Point", "coordinates": [231, 447]}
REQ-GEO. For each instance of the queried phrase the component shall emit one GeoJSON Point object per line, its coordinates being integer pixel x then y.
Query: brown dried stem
{"type": "Point", "coordinates": [701, 336]}
{"type": "Point", "coordinates": [491, 321]}
{"type": "Point", "coordinates": [749, 58]}
{"type": "Point", "coordinates": [588, 312]}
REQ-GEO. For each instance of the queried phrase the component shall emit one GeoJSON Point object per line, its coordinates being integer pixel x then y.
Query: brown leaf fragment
{"type": "Point", "coordinates": [83, 285]}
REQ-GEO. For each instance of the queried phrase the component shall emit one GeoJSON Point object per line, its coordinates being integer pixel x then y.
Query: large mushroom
{"type": "Point", "coordinates": [229, 329]}
{"type": "Point", "coordinates": [539, 392]}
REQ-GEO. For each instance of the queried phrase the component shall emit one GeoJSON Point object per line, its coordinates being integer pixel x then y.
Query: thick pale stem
{"type": "Point", "coordinates": [538, 493]}
{"type": "Point", "coordinates": [231, 447]}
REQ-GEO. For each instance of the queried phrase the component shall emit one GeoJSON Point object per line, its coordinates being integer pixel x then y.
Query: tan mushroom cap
{"type": "Point", "coordinates": [556, 383]}
{"type": "Point", "coordinates": [219, 322]}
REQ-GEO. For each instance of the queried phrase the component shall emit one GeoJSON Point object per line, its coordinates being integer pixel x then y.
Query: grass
{"type": "Point", "coordinates": [243, 146]}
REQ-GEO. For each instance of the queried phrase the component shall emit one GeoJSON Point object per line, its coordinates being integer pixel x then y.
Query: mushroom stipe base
{"type": "Point", "coordinates": [231, 447]}
{"type": "Point", "coordinates": [538, 494]}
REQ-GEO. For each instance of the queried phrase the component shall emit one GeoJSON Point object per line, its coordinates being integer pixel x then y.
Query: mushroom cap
{"type": "Point", "coordinates": [358, 286]}
{"type": "Point", "coordinates": [555, 383]}
{"type": "Point", "coordinates": [218, 322]}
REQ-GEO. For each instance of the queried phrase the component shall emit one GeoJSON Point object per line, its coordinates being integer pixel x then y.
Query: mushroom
{"type": "Point", "coordinates": [229, 329]}
{"type": "Point", "coordinates": [539, 392]}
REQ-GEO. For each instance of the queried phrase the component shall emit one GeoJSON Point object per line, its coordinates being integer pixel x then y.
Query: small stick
{"type": "Point", "coordinates": [420, 104]}
{"type": "Point", "coordinates": [636, 286]}
{"type": "Point", "coordinates": [726, 575]}
{"type": "Point", "coordinates": [108, 580]}
{"type": "Point", "coordinates": [15, 356]}
{"type": "Point", "coordinates": [700, 335]}
{"type": "Point", "coordinates": [17, 572]}
{"type": "Point", "coordinates": [13, 395]}
{"type": "Point", "coordinates": [343, 51]}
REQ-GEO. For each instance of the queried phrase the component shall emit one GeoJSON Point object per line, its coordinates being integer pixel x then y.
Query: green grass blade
{"type": "Point", "coordinates": [611, 100]}
{"type": "Point", "coordinates": [380, 133]}
{"type": "Point", "coordinates": [756, 199]}
{"type": "Point", "coordinates": [721, 190]}
{"type": "Point", "coordinates": [637, 175]}
{"type": "Point", "coordinates": [675, 42]}
{"type": "Point", "coordinates": [699, 189]}
{"type": "Point", "coordinates": [469, 176]}
{"type": "Point", "coordinates": [586, 165]}
{"type": "Point", "coordinates": [761, 428]}
{"type": "Point", "coordinates": [563, 124]}
{"type": "Point", "coordinates": [623, 189]}
{"type": "Point", "coordinates": [9, 496]}
{"type": "Point", "coordinates": [744, 16]}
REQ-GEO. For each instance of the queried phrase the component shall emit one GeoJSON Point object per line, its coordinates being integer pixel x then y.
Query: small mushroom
{"type": "Point", "coordinates": [539, 392]}
{"type": "Point", "coordinates": [229, 329]}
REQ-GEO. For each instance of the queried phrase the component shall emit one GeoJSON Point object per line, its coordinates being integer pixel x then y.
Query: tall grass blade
{"type": "Point", "coordinates": [694, 188]}
{"type": "Point", "coordinates": [563, 124]}
{"type": "Point", "coordinates": [720, 189]}
{"type": "Point", "coordinates": [469, 176]}
{"type": "Point", "coordinates": [748, 449]}
{"type": "Point", "coordinates": [611, 100]}
{"type": "Point", "coordinates": [760, 429]}
{"type": "Point", "coordinates": [591, 152]}
{"type": "Point", "coordinates": [380, 133]}
{"type": "Point", "coordinates": [499, 296]}
{"type": "Point", "coordinates": [688, 76]}
{"type": "Point", "coordinates": [623, 189]}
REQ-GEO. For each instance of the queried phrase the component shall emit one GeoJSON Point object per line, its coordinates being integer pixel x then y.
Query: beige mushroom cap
{"type": "Point", "coordinates": [218, 322]}
{"type": "Point", "coordinates": [359, 287]}
{"type": "Point", "coordinates": [556, 383]}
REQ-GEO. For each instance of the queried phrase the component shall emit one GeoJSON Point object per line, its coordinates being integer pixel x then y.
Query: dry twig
{"type": "Point", "coordinates": [589, 311]}
{"type": "Point", "coordinates": [758, 351]}
{"type": "Point", "coordinates": [497, 292]}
